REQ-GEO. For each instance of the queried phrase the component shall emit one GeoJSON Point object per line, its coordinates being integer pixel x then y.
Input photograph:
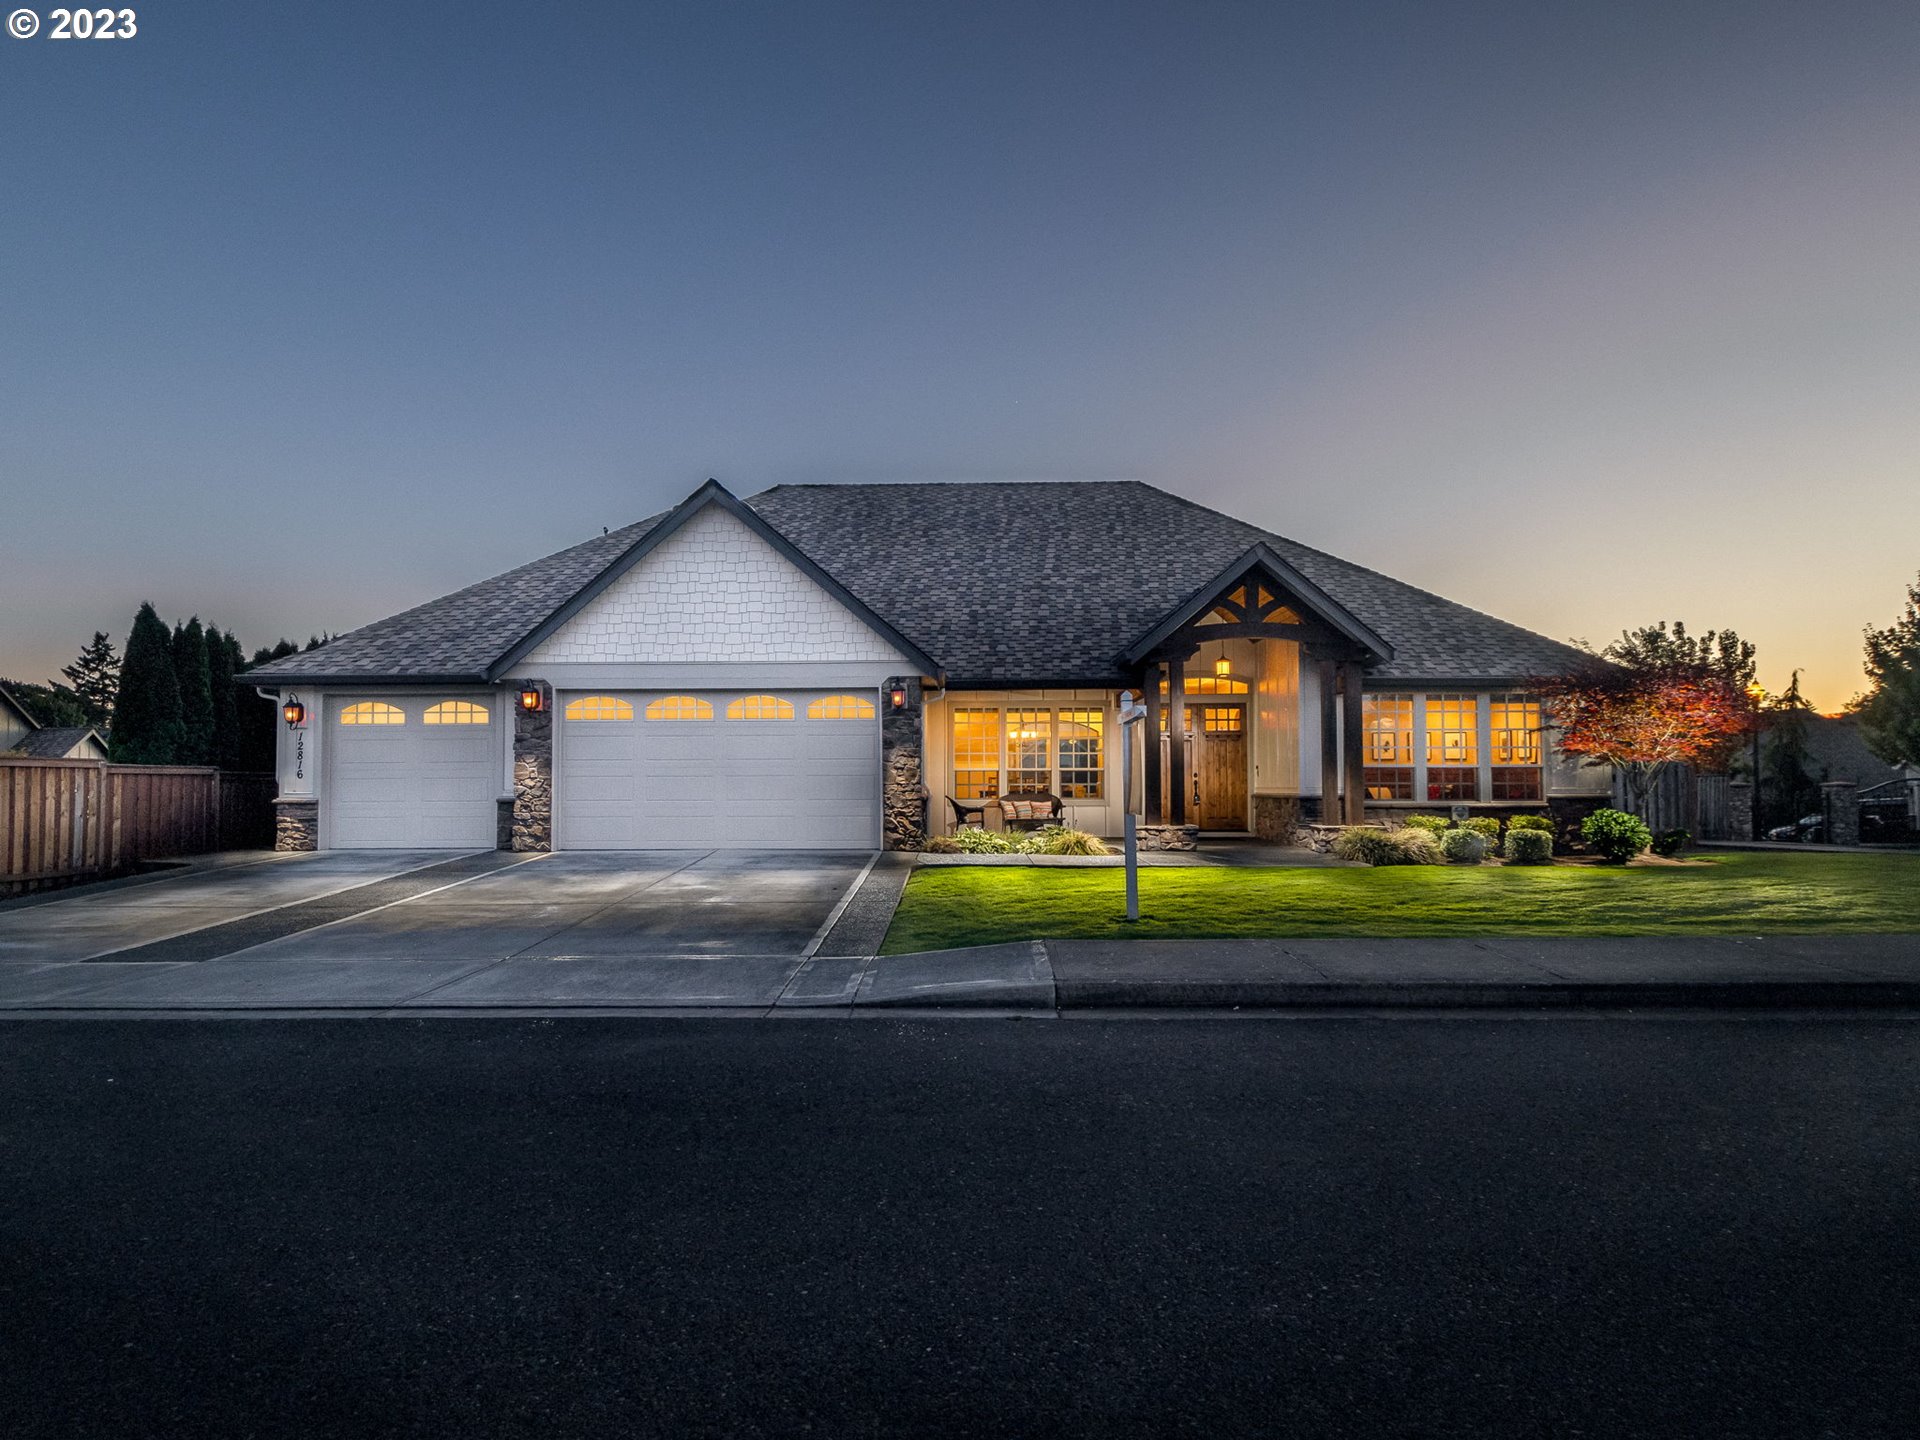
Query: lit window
{"type": "Point", "coordinates": [679, 707]}
{"type": "Point", "coordinates": [1029, 751]}
{"type": "Point", "coordinates": [372, 712]}
{"type": "Point", "coordinates": [1211, 685]}
{"type": "Point", "coordinates": [599, 707]}
{"type": "Point", "coordinates": [455, 712]}
{"type": "Point", "coordinates": [1222, 719]}
{"type": "Point", "coordinates": [1453, 747]}
{"type": "Point", "coordinates": [976, 754]}
{"type": "Point", "coordinates": [1387, 724]}
{"type": "Point", "coordinates": [1080, 755]}
{"type": "Point", "coordinates": [840, 707]}
{"type": "Point", "coordinates": [760, 707]}
{"type": "Point", "coordinates": [1515, 747]}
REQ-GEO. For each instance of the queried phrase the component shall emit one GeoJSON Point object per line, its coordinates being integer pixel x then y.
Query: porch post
{"type": "Point", "coordinates": [1177, 739]}
{"type": "Point", "coordinates": [1354, 738]}
{"type": "Point", "coordinates": [1329, 751]}
{"type": "Point", "coordinates": [1150, 752]}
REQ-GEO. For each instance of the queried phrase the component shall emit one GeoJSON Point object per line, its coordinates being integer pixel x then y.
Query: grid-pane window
{"type": "Point", "coordinates": [840, 707]}
{"type": "Point", "coordinates": [1387, 728]}
{"type": "Point", "coordinates": [455, 712]}
{"type": "Point", "coordinates": [674, 707]}
{"type": "Point", "coordinates": [1514, 745]}
{"type": "Point", "coordinates": [976, 754]}
{"type": "Point", "coordinates": [760, 707]}
{"type": "Point", "coordinates": [1223, 719]}
{"type": "Point", "coordinates": [1081, 760]}
{"type": "Point", "coordinates": [599, 707]}
{"type": "Point", "coordinates": [372, 712]}
{"type": "Point", "coordinates": [1453, 747]}
{"type": "Point", "coordinates": [1029, 751]}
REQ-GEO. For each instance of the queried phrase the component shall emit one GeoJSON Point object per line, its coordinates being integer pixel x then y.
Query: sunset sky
{"type": "Point", "coordinates": [1586, 315]}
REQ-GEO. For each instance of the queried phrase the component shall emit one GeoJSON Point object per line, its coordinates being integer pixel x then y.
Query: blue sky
{"type": "Point", "coordinates": [1586, 315]}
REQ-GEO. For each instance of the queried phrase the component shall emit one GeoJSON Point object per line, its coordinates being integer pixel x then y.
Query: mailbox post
{"type": "Point", "coordinates": [1132, 715]}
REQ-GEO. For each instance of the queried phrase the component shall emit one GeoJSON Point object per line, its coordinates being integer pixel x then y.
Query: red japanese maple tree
{"type": "Point", "coordinates": [1642, 719]}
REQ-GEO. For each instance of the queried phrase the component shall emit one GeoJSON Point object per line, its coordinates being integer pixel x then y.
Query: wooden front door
{"type": "Point", "coordinates": [1220, 771]}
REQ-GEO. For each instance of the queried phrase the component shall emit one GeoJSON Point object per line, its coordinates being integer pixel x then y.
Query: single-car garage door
{"type": "Point", "coordinates": [780, 769]}
{"type": "Point", "coordinates": [412, 772]}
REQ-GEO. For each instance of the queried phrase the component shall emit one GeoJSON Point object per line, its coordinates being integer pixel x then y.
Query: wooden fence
{"type": "Point", "coordinates": [63, 821]}
{"type": "Point", "coordinates": [1683, 799]}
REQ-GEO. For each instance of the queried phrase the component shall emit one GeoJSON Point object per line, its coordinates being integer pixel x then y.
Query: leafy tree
{"type": "Point", "coordinates": [96, 678]}
{"type": "Point", "coordinates": [1718, 653]}
{"type": "Point", "coordinates": [196, 693]}
{"type": "Point", "coordinates": [1890, 714]}
{"type": "Point", "coordinates": [1721, 657]}
{"type": "Point", "coordinates": [226, 746]}
{"type": "Point", "coordinates": [48, 704]}
{"type": "Point", "coordinates": [1641, 721]}
{"type": "Point", "coordinates": [146, 709]}
{"type": "Point", "coordinates": [1788, 786]}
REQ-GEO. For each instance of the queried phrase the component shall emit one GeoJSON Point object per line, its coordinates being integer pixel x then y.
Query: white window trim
{"type": "Point", "coordinates": [1483, 739]}
{"type": "Point", "coordinates": [1053, 709]}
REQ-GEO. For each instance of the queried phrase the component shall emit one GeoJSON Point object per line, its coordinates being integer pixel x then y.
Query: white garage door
{"type": "Point", "coordinates": [412, 772]}
{"type": "Point", "coordinates": [783, 769]}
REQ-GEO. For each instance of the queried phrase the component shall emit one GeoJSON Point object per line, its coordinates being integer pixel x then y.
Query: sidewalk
{"type": "Point", "coordinates": [1034, 978]}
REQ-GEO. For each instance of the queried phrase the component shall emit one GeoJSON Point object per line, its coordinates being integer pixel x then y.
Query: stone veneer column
{"type": "Point", "coordinates": [1740, 810]}
{"type": "Point", "coordinates": [903, 784]}
{"type": "Point", "coordinates": [1840, 802]}
{"type": "Point", "coordinates": [296, 824]}
{"type": "Point", "coordinates": [533, 773]}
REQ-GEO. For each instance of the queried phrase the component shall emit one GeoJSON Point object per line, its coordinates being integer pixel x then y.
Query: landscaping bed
{"type": "Point", "coordinates": [1722, 894]}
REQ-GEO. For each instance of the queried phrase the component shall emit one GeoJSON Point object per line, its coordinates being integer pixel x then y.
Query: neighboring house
{"type": "Point", "coordinates": [1836, 750]}
{"type": "Point", "coordinates": [827, 666]}
{"type": "Point", "coordinates": [62, 742]}
{"type": "Point", "coordinates": [15, 722]}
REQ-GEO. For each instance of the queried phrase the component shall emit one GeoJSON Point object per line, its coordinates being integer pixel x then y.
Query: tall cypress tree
{"type": "Point", "coordinates": [259, 717]}
{"type": "Point", "coordinates": [226, 710]}
{"type": "Point", "coordinates": [146, 708]}
{"type": "Point", "coordinates": [196, 693]}
{"type": "Point", "coordinates": [96, 679]}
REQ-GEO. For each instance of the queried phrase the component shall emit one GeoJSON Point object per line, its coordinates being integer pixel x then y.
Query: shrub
{"type": "Point", "coordinates": [1386, 847]}
{"type": "Point", "coordinates": [973, 841]}
{"type": "Point", "coordinates": [1615, 835]}
{"type": "Point", "coordinates": [1432, 824]}
{"type": "Point", "coordinates": [941, 845]}
{"type": "Point", "coordinates": [1065, 840]}
{"type": "Point", "coordinates": [1485, 826]}
{"type": "Point", "coordinates": [1671, 842]}
{"type": "Point", "coordinates": [1528, 847]}
{"type": "Point", "coordinates": [1530, 822]}
{"type": "Point", "coordinates": [1464, 847]}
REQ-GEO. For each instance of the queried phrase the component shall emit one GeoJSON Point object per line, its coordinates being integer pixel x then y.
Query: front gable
{"type": "Point", "coordinates": [715, 592]}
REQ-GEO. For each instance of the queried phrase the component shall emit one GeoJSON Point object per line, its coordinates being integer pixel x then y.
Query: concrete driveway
{"type": "Point", "coordinates": [654, 929]}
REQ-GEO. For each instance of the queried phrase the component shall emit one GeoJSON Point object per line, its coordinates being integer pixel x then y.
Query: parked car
{"type": "Point", "coordinates": [1807, 829]}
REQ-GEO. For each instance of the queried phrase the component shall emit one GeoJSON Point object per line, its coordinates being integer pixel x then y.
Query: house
{"type": "Point", "coordinates": [61, 742]}
{"type": "Point", "coordinates": [15, 723]}
{"type": "Point", "coordinates": [829, 666]}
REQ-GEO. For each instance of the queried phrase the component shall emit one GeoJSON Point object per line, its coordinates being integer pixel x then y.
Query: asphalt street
{"type": "Point", "coordinates": [500, 1227]}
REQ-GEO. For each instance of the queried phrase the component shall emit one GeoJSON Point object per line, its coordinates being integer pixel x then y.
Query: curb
{"type": "Point", "coordinates": [1481, 995]}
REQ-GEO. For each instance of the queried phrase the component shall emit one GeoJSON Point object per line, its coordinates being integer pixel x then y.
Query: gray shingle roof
{"type": "Point", "coordinates": [52, 742]}
{"type": "Point", "coordinates": [1010, 583]}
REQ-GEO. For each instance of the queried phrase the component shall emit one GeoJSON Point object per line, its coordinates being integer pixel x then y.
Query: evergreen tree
{"type": "Point", "coordinates": [1788, 786]}
{"type": "Point", "coordinates": [146, 708]}
{"type": "Point", "coordinates": [48, 704]}
{"type": "Point", "coordinates": [1890, 712]}
{"type": "Point", "coordinates": [260, 717]}
{"type": "Point", "coordinates": [196, 693]}
{"type": "Point", "coordinates": [96, 677]}
{"type": "Point", "coordinates": [226, 711]}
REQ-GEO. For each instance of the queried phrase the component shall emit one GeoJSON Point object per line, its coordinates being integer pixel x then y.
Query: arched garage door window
{"type": "Point", "coordinates": [760, 707]}
{"type": "Point", "coordinates": [373, 712]}
{"type": "Point", "coordinates": [599, 707]}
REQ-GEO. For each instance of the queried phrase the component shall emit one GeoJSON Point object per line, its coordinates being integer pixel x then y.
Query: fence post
{"type": "Point", "coordinates": [1840, 802]}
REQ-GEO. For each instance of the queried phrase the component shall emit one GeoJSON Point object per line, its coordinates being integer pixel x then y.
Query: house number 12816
{"type": "Point", "coordinates": [92, 25]}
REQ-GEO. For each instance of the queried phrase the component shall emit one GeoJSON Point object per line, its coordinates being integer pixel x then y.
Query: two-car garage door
{"type": "Point", "coordinates": [779, 770]}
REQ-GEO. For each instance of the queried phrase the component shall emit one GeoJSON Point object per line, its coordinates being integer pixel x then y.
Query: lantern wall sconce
{"type": "Point", "coordinates": [897, 697]}
{"type": "Point", "coordinates": [294, 713]}
{"type": "Point", "coordinates": [531, 700]}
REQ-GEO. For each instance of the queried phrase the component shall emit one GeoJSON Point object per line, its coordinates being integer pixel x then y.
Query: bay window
{"type": "Point", "coordinates": [1452, 747]}
{"type": "Point", "coordinates": [1514, 747]}
{"type": "Point", "coordinates": [1387, 721]}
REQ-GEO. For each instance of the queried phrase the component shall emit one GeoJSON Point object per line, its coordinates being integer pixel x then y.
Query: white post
{"type": "Point", "coordinates": [1132, 713]}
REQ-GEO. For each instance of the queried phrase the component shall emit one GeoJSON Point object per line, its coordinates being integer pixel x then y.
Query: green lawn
{"type": "Point", "coordinates": [1733, 893]}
